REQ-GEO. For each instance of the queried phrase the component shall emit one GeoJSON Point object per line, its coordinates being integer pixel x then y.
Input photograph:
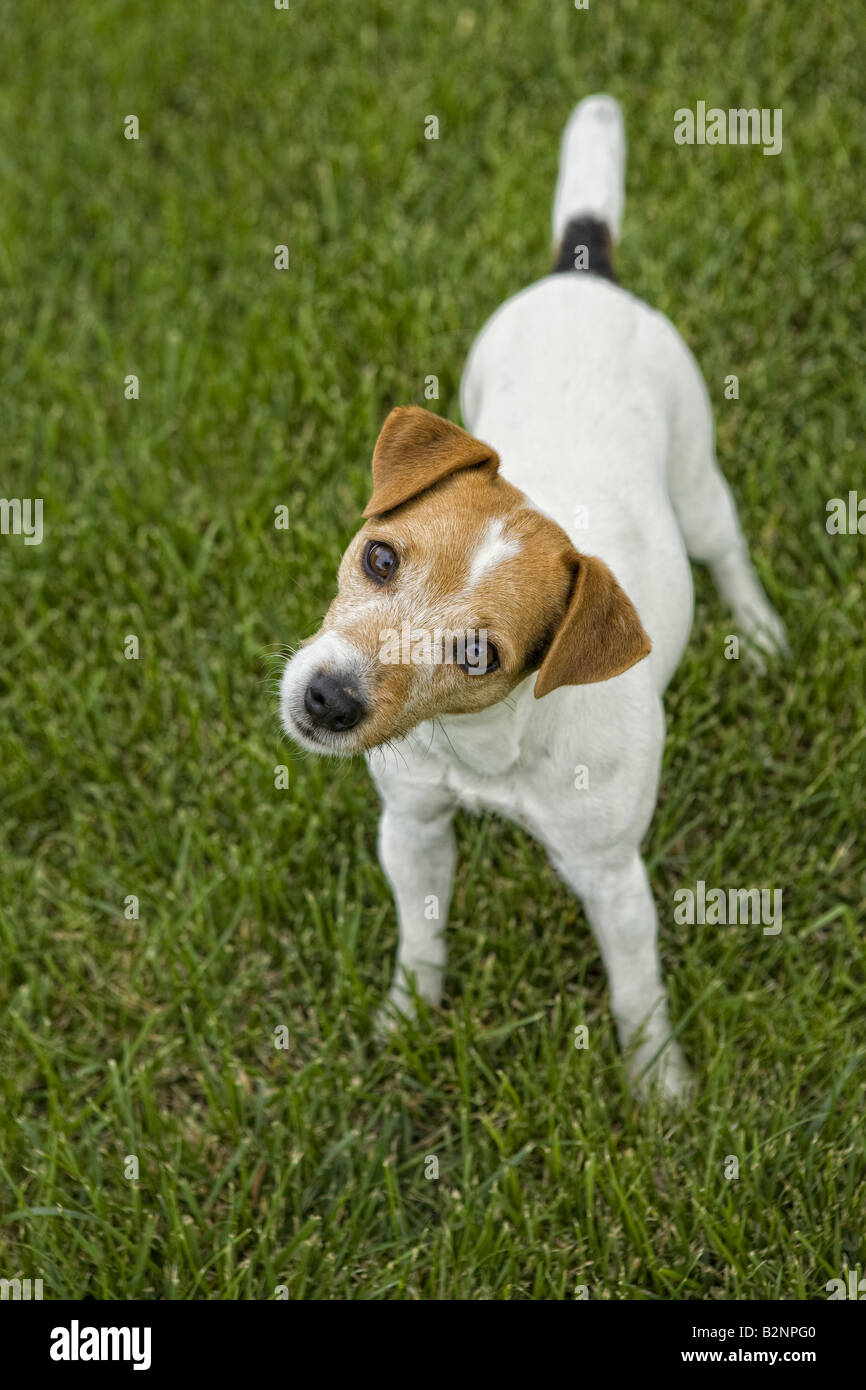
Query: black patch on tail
{"type": "Point", "coordinates": [586, 245]}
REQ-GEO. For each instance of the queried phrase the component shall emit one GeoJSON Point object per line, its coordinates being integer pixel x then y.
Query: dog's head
{"type": "Point", "coordinates": [454, 591]}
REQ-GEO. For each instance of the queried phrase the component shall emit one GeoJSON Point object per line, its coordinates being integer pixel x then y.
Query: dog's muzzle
{"type": "Point", "coordinates": [323, 695]}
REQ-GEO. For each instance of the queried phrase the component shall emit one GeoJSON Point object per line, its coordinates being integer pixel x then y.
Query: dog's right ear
{"type": "Point", "coordinates": [417, 449]}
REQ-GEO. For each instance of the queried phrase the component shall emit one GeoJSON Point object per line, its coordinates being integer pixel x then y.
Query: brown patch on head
{"type": "Point", "coordinates": [472, 558]}
{"type": "Point", "coordinates": [468, 555]}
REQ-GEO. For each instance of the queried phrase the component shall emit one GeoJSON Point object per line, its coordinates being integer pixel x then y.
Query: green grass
{"type": "Point", "coordinates": [262, 907]}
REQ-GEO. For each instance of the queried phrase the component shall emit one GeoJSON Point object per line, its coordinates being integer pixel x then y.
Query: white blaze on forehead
{"type": "Point", "coordinates": [493, 549]}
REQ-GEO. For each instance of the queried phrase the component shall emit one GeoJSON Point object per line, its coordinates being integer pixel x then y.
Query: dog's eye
{"type": "Point", "coordinates": [380, 561]}
{"type": "Point", "coordinates": [480, 656]}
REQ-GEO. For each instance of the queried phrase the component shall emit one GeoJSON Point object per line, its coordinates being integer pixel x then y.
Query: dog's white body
{"type": "Point", "coordinates": [600, 416]}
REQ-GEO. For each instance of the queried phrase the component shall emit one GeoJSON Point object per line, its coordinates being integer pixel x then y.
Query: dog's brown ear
{"type": "Point", "coordinates": [600, 635]}
{"type": "Point", "coordinates": [417, 449]}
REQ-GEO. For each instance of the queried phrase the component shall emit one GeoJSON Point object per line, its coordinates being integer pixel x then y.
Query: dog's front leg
{"type": "Point", "coordinates": [618, 901]}
{"type": "Point", "coordinates": [417, 852]}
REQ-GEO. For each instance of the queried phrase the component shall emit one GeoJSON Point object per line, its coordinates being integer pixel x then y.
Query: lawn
{"type": "Point", "coordinates": [147, 1044]}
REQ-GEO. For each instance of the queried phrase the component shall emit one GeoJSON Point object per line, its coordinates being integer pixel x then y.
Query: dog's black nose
{"type": "Point", "coordinates": [331, 705]}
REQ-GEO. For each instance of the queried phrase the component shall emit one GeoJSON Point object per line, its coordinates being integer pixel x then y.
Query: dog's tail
{"type": "Point", "coordinates": [590, 190]}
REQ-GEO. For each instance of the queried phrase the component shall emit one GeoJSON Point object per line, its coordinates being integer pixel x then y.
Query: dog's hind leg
{"type": "Point", "coordinates": [706, 511]}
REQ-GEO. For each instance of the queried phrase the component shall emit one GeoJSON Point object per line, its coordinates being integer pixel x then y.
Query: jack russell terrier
{"type": "Point", "coordinates": [549, 579]}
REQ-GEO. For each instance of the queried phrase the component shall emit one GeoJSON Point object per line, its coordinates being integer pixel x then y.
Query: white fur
{"type": "Point", "coordinates": [329, 650]}
{"type": "Point", "coordinates": [593, 402]}
{"type": "Point", "coordinates": [591, 166]}
{"type": "Point", "coordinates": [493, 549]}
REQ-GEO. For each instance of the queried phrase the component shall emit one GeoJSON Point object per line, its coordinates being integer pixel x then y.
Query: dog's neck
{"type": "Point", "coordinates": [490, 742]}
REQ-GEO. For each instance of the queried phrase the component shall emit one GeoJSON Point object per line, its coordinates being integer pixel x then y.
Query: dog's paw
{"type": "Point", "coordinates": [397, 1010]}
{"type": "Point", "coordinates": [765, 637]}
{"type": "Point", "coordinates": [667, 1076]}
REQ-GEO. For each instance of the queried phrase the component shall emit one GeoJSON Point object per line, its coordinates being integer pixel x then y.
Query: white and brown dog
{"type": "Point", "coordinates": [560, 562]}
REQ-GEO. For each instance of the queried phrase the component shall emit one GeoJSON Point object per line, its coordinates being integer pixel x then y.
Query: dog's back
{"type": "Point", "coordinates": [585, 392]}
